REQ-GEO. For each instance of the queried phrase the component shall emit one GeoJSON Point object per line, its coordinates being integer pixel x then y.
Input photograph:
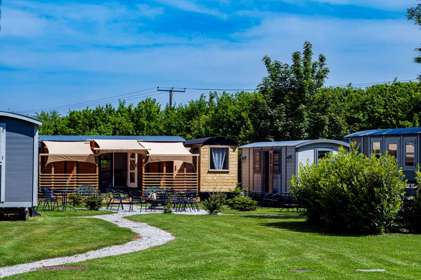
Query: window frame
{"type": "Point", "coordinates": [413, 143]}
{"type": "Point", "coordinates": [210, 169]}
{"type": "Point", "coordinates": [316, 154]}
{"type": "Point", "coordinates": [376, 140]}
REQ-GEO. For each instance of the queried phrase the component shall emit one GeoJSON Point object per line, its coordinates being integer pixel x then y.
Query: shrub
{"type": "Point", "coordinates": [75, 199]}
{"type": "Point", "coordinates": [351, 192]}
{"type": "Point", "coordinates": [214, 203]}
{"type": "Point", "coordinates": [242, 203]}
{"type": "Point", "coordinates": [410, 214]}
{"type": "Point", "coordinates": [168, 208]}
{"type": "Point", "coordinates": [93, 202]}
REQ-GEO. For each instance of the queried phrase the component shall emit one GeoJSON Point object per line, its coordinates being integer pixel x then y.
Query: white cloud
{"type": "Point", "coordinates": [21, 24]}
{"type": "Point", "coordinates": [150, 11]}
{"type": "Point", "coordinates": [387, 4]}
{"type": "Point", "coordinates": [357, 50]}
{"type": "Point", "coordinates": [191, 6]}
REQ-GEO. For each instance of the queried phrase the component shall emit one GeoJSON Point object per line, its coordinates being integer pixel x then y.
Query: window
{"type": "Point", "coordinates": [392, 149]}
{"type": "Point", "coordinates": [276, 162]}
{"type": "Point", "coordinates": [256, 161]}
{"type": "Point", "coordinates": [322, 154]}
{"type": "Point", "coordinates": [219, 158]}
{"type": "Point", "coordinates": [375, 148]}
{"type": "Point", "coordinates": [409, 154]}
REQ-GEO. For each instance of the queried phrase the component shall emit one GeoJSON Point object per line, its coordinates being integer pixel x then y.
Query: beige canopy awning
{"type": "Point", "coordinates": [115, 146]}
{"type": "Point", "coordinates": [163, 151]}
{"type": "Point", "coordinates": [69, 151]}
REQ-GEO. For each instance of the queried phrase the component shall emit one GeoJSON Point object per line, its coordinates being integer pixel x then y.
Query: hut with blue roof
{"type": "Point", "coordinates": [401, 143]}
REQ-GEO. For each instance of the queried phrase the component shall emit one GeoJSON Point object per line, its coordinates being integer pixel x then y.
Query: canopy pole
{"type": "Point", "coordinates": [112, 166]}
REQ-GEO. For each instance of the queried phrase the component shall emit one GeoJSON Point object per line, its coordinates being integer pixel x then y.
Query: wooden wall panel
{"type": "Point", "coordinates": [218, 181]}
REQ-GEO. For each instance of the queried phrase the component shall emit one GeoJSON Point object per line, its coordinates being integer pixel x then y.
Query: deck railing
{"type": "Point", "coordinates": [68, 181]}
{"type": "Point", "coordinates": [170, 181]}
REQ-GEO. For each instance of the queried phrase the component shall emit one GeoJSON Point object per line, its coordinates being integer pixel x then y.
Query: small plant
{"type": "Point", "coordinates": [93, 202]}
{"type": "Point", "coordinates": [242, 203]}
{"type": "Point", "coordinates": [75, 199]}
{"type": "Point", "coordinates": [168, 208]}
{"type": "Point", "coordinates": [214, 203]}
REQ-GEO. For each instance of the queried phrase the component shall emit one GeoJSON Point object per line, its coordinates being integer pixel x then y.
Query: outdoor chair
{"type": "Point", "coordinates": [116, 199]}
{"type": "Point", "coordinates": [48, 200]}
{"type": "Point", "coordinates": [135, 197]}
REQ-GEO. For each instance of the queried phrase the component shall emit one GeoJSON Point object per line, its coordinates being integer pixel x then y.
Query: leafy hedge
{"type": "Point", "coordinates": [409, 217]}
{"type": "Point", "coordinates": [242, 203]}
{"type": "Point", "coordinates": [350, 192]}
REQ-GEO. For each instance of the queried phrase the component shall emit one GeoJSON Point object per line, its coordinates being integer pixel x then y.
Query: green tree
{"type": "Point", "coordinates": [288, 89]}
{"type": "Point", "coordinates": [415, 15]}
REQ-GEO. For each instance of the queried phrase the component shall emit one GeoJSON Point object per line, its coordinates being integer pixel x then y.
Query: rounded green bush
{"type": "Point", "coordinates": [350, 192]}
{"type": "Point", "coordinates": [242, 203]}
{"type": "Point", "coordinates": [93, 202]}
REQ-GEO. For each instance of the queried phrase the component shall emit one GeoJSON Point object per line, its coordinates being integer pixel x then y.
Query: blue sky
{"type": "Point", "coordinates": [73, 53]}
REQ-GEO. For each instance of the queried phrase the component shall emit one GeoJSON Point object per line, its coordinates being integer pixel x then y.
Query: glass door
{"type": "Point", "coordinates": [2, 162]}
{"type": "Point", "coordinates": [132, 170]}
{"type": "Point", "coordinates": [106, 172]}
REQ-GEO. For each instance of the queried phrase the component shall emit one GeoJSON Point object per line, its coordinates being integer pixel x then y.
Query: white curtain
{"type": "Point", "coordinates": [218, 156]}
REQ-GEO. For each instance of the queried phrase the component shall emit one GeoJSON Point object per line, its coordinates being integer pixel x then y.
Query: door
{"type": "Point", "coordinates": [2, 162]}
{"type": "Point", "coordinates": [276, 171]}
{"type": "Point", "coordinates": [265, 171]}
{"type": "Point", "coordinates": [106, 172]}
{"type": "Point", "coordinates": [132, 170]}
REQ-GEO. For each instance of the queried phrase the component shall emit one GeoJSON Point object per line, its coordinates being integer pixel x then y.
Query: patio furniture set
{"type": "Point", "coordinates": [153, 199]}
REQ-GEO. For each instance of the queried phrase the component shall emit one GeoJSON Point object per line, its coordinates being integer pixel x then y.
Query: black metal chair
{"type": "Point", "coordinates": [48, 200]}
{"type": "Point", "coordinates": [116, 199]}
{"type": "Point", "coordinates": [135, 197]}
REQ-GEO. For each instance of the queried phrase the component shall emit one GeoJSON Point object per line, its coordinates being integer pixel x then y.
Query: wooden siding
{"type": "Point", "coordinates": [218, 181]}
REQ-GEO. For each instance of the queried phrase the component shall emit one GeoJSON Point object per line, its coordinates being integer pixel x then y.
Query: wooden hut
{"type": "Point", "coordinates": [267, 167]}
{"type": "Point", "coordinates": [217, 163]}
{"type": "Point", "coordinates": [117, 162]}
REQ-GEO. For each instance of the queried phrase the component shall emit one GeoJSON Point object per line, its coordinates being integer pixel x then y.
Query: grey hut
{"type": "Point", "coordinates": [18, 163]}
{"type": "Point", "coordinates": [267, 167]}
{"type": "Point", "coordinates": [401, 143]}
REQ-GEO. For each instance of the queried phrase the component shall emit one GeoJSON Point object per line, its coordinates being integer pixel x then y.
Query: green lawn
{"type": "Point", "coordinates": [268, 245]}
{"type": "Point", "coordinates": [56, 234]}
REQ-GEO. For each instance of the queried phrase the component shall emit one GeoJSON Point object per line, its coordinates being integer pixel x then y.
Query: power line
{"type": "Point", "coordinates": [82, 103]}
{"type": "Point", "coordinates": [367, 84]}
{"type": "Point", "coordinates": [221, 89]}
{"type": "Point", "coordinates": [150, 92]}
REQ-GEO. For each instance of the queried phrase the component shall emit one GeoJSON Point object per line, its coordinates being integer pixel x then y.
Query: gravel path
{"type": "Point", "coordinates": [148, 237]}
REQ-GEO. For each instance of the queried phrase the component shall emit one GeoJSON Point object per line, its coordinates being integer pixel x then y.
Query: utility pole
{"type": "Point", "coordinates": [171, 92]}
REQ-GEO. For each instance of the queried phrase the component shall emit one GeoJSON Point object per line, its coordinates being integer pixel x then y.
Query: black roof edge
{"type": "Point", "coordinates": [214, 140]}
